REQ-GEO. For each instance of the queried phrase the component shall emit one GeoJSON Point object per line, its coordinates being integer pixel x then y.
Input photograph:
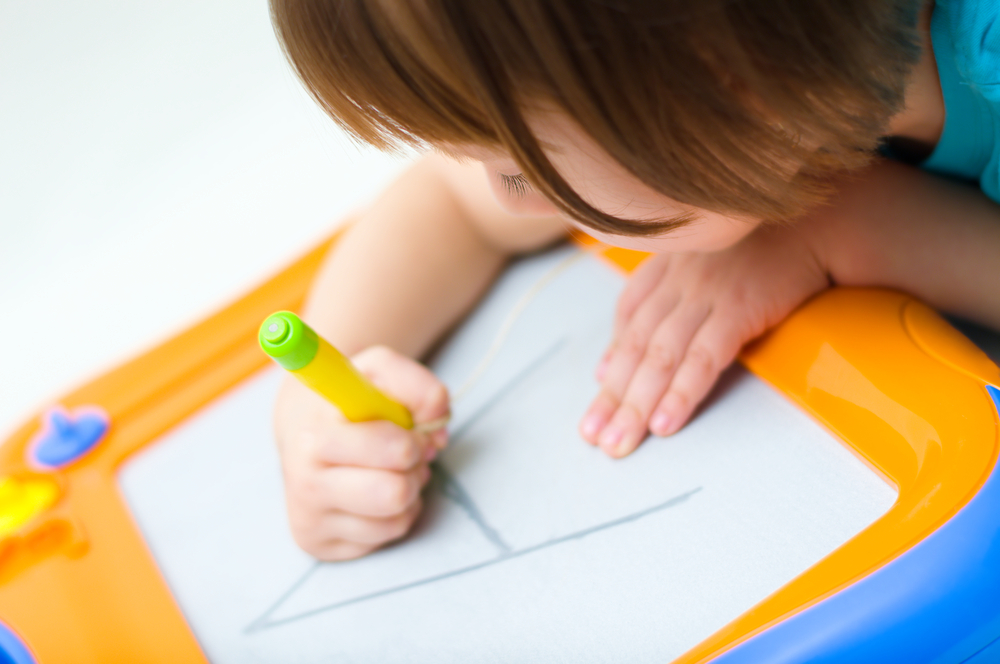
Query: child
{"type": "Point", "coordinates": [736, 139]}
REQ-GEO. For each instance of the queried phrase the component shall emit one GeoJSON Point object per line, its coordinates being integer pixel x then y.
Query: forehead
{"type": "Point", "coordinates": [466, 152]}
{"type": "Point", "coordinates": [557, 134]}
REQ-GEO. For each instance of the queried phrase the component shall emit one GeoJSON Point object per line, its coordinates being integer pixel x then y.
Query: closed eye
{"type": "Point", "coordinates": [516, 185]}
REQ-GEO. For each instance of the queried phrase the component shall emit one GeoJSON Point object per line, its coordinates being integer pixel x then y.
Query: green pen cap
{"type": "Point", "coordinates": [289, 341]}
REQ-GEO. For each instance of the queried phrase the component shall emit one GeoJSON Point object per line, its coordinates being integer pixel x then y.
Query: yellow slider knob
{"type": "Point", "coordinates": [324, 369]}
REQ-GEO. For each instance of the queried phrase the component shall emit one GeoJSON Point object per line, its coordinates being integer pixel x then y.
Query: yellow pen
{"type": "Point", "coordinates": [310, 358]}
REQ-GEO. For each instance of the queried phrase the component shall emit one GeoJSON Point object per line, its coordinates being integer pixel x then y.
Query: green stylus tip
{"type": "Point", "coordinates": [275, 330]}
{"type": "Point", "coordinates": [288, 340]}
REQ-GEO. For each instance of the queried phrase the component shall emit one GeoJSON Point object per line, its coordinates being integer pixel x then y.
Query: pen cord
{"type": "Point", "coordinates": [508, 324]}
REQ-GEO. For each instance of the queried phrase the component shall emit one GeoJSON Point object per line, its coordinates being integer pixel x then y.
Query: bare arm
{"type": "Point", "coordinates": [900, 227]}
{"type": "Point", "coordinates": [403, 273]}
{"type": "Point", "coordinates": [418, 259]}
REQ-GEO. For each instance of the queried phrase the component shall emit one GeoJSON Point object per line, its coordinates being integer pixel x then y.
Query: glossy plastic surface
{"type": "Point", "coordinates": [288, 341]}
{"type": "Point", "coordinates": [22, 498]}
{"type": "Point", "coordinates": [12, 650]}
{"type": "Point", "coordinates": [849, 358]}
{"type": "Point", "coordinates": [325, 370]}
{"type": "Point", "coordinates": [77, 582]}
{"type": "Point", "coordinates": [936, 602]}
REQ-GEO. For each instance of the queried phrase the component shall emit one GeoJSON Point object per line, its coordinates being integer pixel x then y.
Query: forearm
{"type": "Point", "coordinates": [899, 227]}
{"type": "Point", "coordinates": [412, 264]}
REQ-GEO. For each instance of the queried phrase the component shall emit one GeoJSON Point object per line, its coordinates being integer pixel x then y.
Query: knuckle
{"type": "Point", "coordinates": [627, 304]}
{"type": "Point", "coordinates": [633, 344]}
{"type": "Point", "coordinates": [738, 294]}
{"type": "Point", "coordinates": [661, 357]}
{"type": "Point", "coordinates": [435, 400]}
{"type": "Point", "coordinates": [399, 526]}
{"type": "Point", "coordinates": [308, 489]}
{"type": "Point", "coordinates": [401, 451]}
{"type": "Point", "coordinates": [393, 494]}
{"type": "Point", "coordinates": [438, 397]}
{"type": "Point", "coordinates": [702, 360]}
{"type": "Point", "coordinates": [301, 490]}
{"type": "Point", "coordinates": [681, 400]}
{"type": "Point", "coordinates": [373, 357]}
{"type": "Point", "coordinates": [304, 529]}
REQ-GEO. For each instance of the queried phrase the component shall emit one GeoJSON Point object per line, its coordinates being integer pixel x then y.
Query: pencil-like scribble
{"type": "Point", "coordinates": [451, 487]}
{"type": "Point", "coordinates": [264, 622]}
{"type": "Point", "coordinates": [453, 490]}
{"type": "Point", "coordinates": [488, 405]}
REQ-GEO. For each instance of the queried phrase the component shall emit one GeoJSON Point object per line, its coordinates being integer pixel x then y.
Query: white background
{"type": "Point", "coordinates": [156, 161]}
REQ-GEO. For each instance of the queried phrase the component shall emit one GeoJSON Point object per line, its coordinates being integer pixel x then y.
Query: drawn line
{"type": "Point", "coordinates": [452, 489]}
{"type": "Point", "coordinates": [542, 358]}
{"type": "Point", "coordinates": [264, 623]}
{"type": "Point", "coordinates": [508, 324]}
{"type": "Point", "coordinates": [259, 622]}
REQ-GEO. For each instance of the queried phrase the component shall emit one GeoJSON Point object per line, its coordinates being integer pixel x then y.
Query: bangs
{"type": "Point", "coordinates": [742, 107]}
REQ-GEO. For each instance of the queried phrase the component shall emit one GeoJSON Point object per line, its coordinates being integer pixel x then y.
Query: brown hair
{"type": "Point", "coordinates": [743, 107]}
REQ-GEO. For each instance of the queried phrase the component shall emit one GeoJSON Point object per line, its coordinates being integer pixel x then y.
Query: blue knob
{"type": "Point", "coordinates": [67, 438]}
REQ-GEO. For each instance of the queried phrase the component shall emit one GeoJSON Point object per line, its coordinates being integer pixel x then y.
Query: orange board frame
{"type": "Point", "coordinates": [78, 583]}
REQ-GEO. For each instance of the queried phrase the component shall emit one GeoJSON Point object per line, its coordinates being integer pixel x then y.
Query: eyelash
{"type": "Point", "coordinates": [516, 185]}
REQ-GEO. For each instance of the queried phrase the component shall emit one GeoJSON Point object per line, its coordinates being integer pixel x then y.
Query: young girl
{"type": "Point", "coordinates": [735, 139]}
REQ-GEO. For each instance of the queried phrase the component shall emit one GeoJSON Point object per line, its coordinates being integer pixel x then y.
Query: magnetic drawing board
{"type": "Point", "coordinates": [533, 544]}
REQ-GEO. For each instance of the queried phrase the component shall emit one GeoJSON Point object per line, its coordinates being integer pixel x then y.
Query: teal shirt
{"type": "Point", "coordinates": [965, 35]}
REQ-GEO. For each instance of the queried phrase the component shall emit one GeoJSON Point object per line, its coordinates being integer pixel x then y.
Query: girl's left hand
{"type": "Point", "coordinates": [682, 319]}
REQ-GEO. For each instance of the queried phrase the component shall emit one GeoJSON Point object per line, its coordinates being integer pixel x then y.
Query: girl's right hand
{"type": "Point", "coordinates": [353, 487]}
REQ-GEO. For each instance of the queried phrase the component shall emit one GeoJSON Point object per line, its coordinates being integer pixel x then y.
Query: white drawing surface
{"type": "Point", "coordinates": [533, 546]}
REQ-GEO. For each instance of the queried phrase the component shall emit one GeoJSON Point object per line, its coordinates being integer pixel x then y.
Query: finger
{"type": "Point", "coordinates": [597, 416]}
{"type": "Point", "coordinates": [336, 550]}
{"type": "Point", "coordinates": [712, 349]}
{"type": "Point", "coordinates": [407, 381]}
{"type": "Point", "coordinates": [314, 530]}
{"type": "Point", "coordinates": [630, 422]}
{"type": "Point", "coordinates": [640, 284]}
{"type": "Point", "coordinates": [631, 346]}
{"type": "Point", "coordinates": [361, 491]}
{"type": "Point", "coordinates": [369, 444]}
{"type": "Point", "coordinates": [624, 360]}
{"type": "Point", "coordinates": [373, 531]}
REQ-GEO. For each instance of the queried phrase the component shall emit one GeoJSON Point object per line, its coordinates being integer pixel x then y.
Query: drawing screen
{"type": "Point", "coordinates": [533, 546]}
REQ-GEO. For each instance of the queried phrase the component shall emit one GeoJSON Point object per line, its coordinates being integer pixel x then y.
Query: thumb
{"type": "Point", "coordinates": [405, 380]}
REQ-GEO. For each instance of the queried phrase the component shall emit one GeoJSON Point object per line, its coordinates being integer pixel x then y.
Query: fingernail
{"type": "Point", "coordinates": [430, 453]}
{"type": "Point", "coordinates": [660, 424]}
{"type": "Point", "coordinates": [440, 438]}
{"type": "Point", "coordinates": [610, 437]}
{"type": "Point", "coordinates": [591, 425]}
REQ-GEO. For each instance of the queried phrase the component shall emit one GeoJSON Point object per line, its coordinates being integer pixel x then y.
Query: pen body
{"type": "Point", "coordinates": [333, 376]}
{"type": "Point", "coordinates": [324, 369]}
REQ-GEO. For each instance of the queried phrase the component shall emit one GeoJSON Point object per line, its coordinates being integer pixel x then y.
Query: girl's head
{"type": "Point", "coordinates": [687, 121]}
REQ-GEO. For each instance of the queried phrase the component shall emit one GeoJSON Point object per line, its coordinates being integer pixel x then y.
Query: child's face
{"type": "Point", "coordinates": [608, 187]}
